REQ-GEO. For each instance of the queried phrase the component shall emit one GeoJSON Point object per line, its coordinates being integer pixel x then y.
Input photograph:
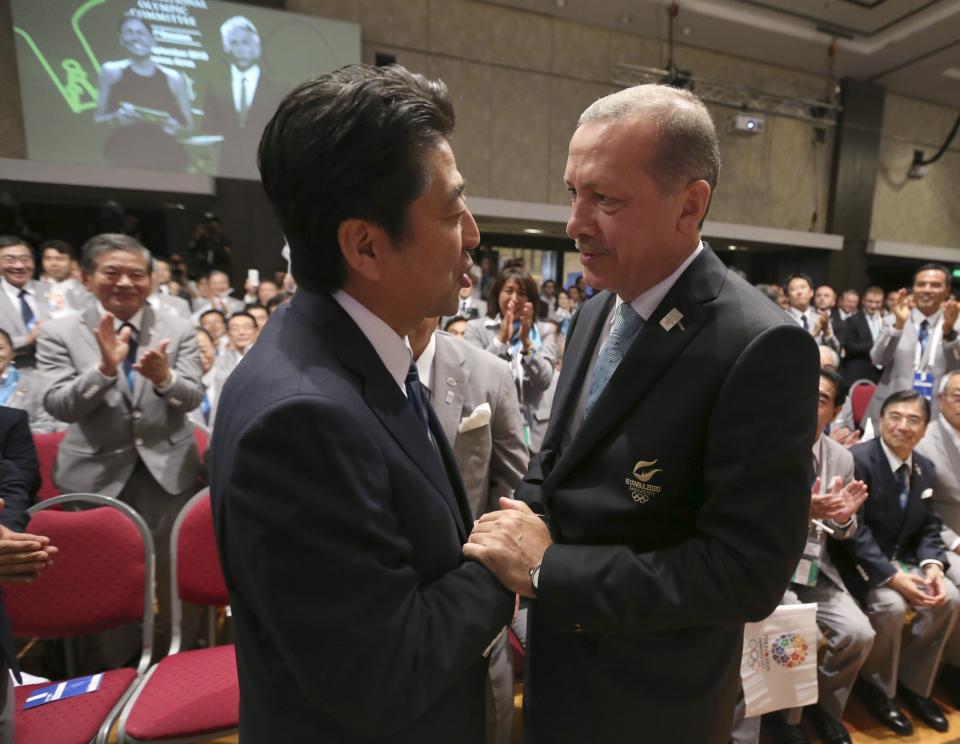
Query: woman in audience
{"type": "Point", "coordinates": [511, 333]}
{"type": "Point", "coordinates": [15, 392]}
{"type": "Point", "coordinates": [564, 311]}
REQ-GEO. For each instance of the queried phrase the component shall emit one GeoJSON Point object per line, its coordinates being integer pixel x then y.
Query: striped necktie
{"type": "Point", "coordinates": [626, 325]}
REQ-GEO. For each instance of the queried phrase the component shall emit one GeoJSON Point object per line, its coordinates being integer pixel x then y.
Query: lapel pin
{"type": "Point", "coordinates": [671, 319]}
{"type": "Point", "coordinates": [449, 398]}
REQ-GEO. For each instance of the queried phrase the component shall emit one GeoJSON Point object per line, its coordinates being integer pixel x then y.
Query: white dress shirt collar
{"type": "Point", "coordinates": [136, 321]}
{"type": "Point", "coordinates": [14, 292]}
{"type": "Point", "coordinates": [393, 351]}
{"type": "Point", "coordinates": [894, 461]}
{"type": "Point", "coordinates": [917, 317]}
{"type": "Point", "coordinates": [798, 315]}
{"type": "Point", "coordinates": [425, 363]}
{"type": "Point", "coordinates": [646, 303]}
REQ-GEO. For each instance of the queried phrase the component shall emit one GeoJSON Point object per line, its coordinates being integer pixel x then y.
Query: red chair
{"type": "Point", "coordinates": [202, 436]}
{"type": "Point", "coordinates": [102, 579]}
{"type": "Point", "coordinates": [189, 695]}
{"type": "Point", "coordinates": [47, 446]}
{"type": "Point", "coordinates": [861, 392]}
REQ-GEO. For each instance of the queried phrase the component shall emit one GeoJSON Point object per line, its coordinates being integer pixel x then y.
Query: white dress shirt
{"type": "Point", "coordinates": [425, 363]}
{"type": "Point", "coordinates": [895, 462]}
{"type": "Point", "coordinates": [393, 350]}
{"type": "Point", "coordinates": [14, 294]}
{"type": "Point", "coordinates": [252, 76]}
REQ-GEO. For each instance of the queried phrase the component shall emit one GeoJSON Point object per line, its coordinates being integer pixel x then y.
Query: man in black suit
{"type": "Point", "coordinates": [238, 104]}
{"type": "Point", "coordinates": [17, 446]}
{"type": "Point", "coordinates": [862, 331]}
{"type": "Point", "coordinates": [894, 566]}
{"type": "Point", "coordinates": [675, 484]}
{"type": "Point", "coordinates": [22, 558]}
{"type": "Point", "coordinates": [339, 512]}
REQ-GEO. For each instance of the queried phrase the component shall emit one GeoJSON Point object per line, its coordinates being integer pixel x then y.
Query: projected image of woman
{"type": "Point", "coordinates": [146, 105]}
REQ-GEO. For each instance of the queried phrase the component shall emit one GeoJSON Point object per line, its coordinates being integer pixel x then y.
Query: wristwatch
{"type": "Point", "coordinates": [535, 576]}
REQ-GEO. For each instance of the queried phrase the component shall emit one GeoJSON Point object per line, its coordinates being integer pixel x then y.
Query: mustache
{"type": "Point", "coordinates": [589, 246]}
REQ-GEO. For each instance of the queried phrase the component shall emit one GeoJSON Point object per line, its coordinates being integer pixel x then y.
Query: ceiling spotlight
{"type": "Point", "coordinates": [686, 30]}
{"type": "Point", "coordinates": [625, 19]}
{"type": "Point", "coordinates": [533, 230]}
{"type": "Point", "coordinates": [731, 247]}
{"type": "Point", "coordinates": [746, 124]}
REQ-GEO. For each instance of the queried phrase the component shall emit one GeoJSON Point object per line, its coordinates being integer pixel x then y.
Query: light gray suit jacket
{"type": "Point", "coordinates": [492, 458]}
{"type": "Point", "coordinates": [232, 304]}
{"type": "Point", "coordinates": [172, 304]}
{"type": "Point", "coordinates": [539, 370]}
{"type": "Point", "coordinates": [938, 445]}
{"type": "Point", "coordinates": [837, 461]}
{"type": "Point", "coordinates": [11, 321]}
{"type": "Point", "coordinates": [110, 425]}
{"type": "Point", "coordinates": [897, 355]}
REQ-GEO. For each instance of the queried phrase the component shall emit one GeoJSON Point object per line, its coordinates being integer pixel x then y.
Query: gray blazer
{"type": "Point", "coordinates": [539, 370]}
{"type": "Point", "coordinates": [110, 425]}
{"type": "Point", "coordinates": [837, 460]}
{"type": "Point", "coordinates": [233, 305]}
{"type": "Point", "coordinates": [938, 445]}
{"type": "Point", "coordinates": [492, 458]}
{"type": "Point", "coordinates": [897, 354]}
{"type": "Point", "coordinates": [12, 322]}
{"type": "Point", "coordinates": [172, 304]}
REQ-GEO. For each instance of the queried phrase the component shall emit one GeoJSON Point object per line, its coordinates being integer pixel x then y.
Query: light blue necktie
{"type": "Point", "coordinates": [626, 325]}
{"type": "Point", "coordinates": [903, 486]}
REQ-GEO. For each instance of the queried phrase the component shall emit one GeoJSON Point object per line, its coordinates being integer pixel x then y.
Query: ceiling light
{"type": "Point", "coordinates": [533, 230]}
{"type": "Point", "coordinates": [686, 30]}
{"type": "Point", "coordinates": [952, 72]}
{"type": "Point", "coordinates": [625, 19]}
{"type": "Point", "coordinates": [731, 247]}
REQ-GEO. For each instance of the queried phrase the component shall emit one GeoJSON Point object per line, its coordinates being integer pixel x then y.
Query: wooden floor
{"type": "Point", "coordinates": [863, 729]}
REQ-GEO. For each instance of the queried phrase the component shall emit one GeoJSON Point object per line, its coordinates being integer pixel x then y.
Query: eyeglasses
{"type": "Point", "coordinates": [898, 418]}
{"type": "Point", "coordinates": [14, 260]}
{"type": "Point", "coordinates": [953, 397]}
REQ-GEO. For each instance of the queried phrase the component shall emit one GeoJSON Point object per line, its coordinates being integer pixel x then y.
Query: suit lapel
{"type": "Point", "coordinates": [450, 378]}
{"type": "Point", "coordinates": [652, 352]}
{"type": "Point", "coordinates": [148, 329]}
{"type": "Point", "coordinates": [13, 314]}
{"type": "Point", "coordinates": [576, 359]}
{"type": "Point", "coordinates": [382, 394]}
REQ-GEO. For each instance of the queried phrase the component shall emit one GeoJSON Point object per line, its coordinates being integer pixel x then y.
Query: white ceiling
{"type": "Point", "coordinates": [904, 45]}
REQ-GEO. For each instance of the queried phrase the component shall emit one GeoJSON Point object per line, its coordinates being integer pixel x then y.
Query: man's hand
{"type": "Point", "coordinates": [154, 365]}
{"type": "Point", "coordinates": [841, 503]}
{"type": "Point", "coordinates": [913, 589]}
{"type": "Point", "coordinates": [32, 336]}
{"type": "Point", "coordinates": [950, 308]}
{"type": "Point", "coordinates": [936, 590]}
{"type": "Point", "coordinates": [822, 505]}
{"type": "Point", "coordinates": [901, 309]}
{"type": "Point", "coordinates": [822, 324]}
{"type": "Point", "coordinates": [113, 346]}
{"type": "Point", "coordinates": [510, 542]}
{"type": "Point", "coordinates": [23, 556]}
{"type": "Point", "coordinates": [846, 437]}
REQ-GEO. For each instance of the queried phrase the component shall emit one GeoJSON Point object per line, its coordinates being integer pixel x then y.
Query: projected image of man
{"type": "Point", "coordinates": [241, 99]}
{"type": "Point", "coordinates": [144, 103]}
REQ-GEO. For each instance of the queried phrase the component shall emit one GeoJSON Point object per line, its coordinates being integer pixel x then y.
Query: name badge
{"type": "Point", "coordinates": [923, 384]}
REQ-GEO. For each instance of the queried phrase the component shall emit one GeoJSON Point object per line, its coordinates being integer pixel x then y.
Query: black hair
{"type": "Point", "coordinates": [935, 267]}
{"type": "Point", "coordinates": [807, 279]}
{"type": "Point", "coordinates": [523, 278]}
{"type": "Point", "coordinates": [840, 388]}
{"type": "Point", "coordinates": [349, 144]}
{"type": "Point", "coordinates": [907, 396]}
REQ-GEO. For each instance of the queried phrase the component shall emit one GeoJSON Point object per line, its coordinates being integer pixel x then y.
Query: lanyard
{"type": "Point", "coordinates": [932, 343]}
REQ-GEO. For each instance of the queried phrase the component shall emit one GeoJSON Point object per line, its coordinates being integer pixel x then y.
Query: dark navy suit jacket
{"type": "Point", "coordinates": [885, 532]}
{"type": "Point", "coordinates": [340, 531]}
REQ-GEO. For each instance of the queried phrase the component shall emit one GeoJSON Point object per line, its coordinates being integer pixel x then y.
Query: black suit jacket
{"type": "Point", "coordinates": [14, 517]}
{"type": "Point", "coordinates": [16, 445]}
{"type": "Point", "coordinates": [238, 153]}
{"type": "Point", "coordinates": [856, 363]}
{"type": "Point", "coordinates": [885, 532]}
{"type": "Point", "coordinates": [679, 511]}
{"type": "Point", "coordinates": [340, 536]}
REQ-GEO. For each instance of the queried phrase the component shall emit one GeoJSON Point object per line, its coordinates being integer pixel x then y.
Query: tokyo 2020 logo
{"type": "Point", "coordinates": [789, 650]}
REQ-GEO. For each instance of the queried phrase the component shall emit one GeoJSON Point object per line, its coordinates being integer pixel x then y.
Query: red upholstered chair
{"type": "Point", "coordinates": [202, 436]}
{"type": "Point", "coordinates": [47, 446]}
{"type": "Point", "coordinates": [861, 392]}
{"type": "Point", "coordinates": [189, 695]}
{"type": "Point", "coordinates": [102, 578]}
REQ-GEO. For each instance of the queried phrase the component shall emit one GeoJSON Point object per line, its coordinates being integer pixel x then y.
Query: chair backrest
{"type": "Point", "coordinates": [860, 394]}
{"type": "Point", "coordinates": [47, 446]}
{"type": "Point", "coordinates": [202, 437]}
{"type": "Point", "coordinates": [195, 571]}
{"type": "Point", "coordinates": [102, 577]}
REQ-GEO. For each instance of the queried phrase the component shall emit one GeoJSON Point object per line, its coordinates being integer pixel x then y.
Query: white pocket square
{"type": "Point", "coordinates": [927, 493]}
{"type": "Point", "coordinates": [479, 417]}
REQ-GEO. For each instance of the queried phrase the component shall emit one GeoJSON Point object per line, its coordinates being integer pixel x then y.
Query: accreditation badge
{"type": "Point", "coordinates": [923, 384]}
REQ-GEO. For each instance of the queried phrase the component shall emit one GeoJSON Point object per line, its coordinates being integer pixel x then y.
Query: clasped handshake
{"type": "Point", "coordinates": [511, 543]}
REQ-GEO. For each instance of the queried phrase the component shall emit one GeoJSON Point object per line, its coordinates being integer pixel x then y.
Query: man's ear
{"type": "Point", "coordinates": [696, 200]}
{"type": "Point", "coordinates": [360, 244]}
{"type": "Point", "coordinates": [85, 277]}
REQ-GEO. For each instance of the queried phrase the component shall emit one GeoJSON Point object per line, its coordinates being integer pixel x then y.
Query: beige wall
{"type": "Point", "coordinates": [927, 211]}
{"type": "Point", "coordinates": [520, 80]}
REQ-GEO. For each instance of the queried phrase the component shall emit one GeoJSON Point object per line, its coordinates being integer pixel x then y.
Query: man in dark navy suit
{"type": "Point", "coordinates": [22, 558]}
{"type": "Point", "coordinates": [339, 512]}
{"type": "Point", "coordinates": [894, 566]}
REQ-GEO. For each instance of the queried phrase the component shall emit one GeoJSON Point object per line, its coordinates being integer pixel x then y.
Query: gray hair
{"type": "Point", "coordinates": [108, 242]}
{"type": "Point", "coordinates": [232, 24]}
{"type": "Point", "coordinates": [688, 148]}
{"type": "Point", "coordinates": [833, 355]}
{"type": "Point", "coordinates": [946, 380]}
